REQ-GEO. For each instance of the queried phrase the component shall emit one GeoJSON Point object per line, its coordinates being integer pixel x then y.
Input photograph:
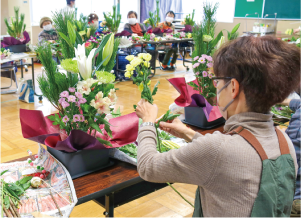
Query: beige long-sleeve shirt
{"type": "Point", "coordinates": [226, 168]}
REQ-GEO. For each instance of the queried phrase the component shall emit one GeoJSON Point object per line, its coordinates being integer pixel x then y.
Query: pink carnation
{"type": "Point", "coordinates": [78, 95]}
{"type": "Point", "coordinates": [61, 100]}
{"type": "Point", "coordinates": [65, 119]}
{"type": "Point", "coordinates": [209, 65]}
{"type": "Point", "coordinates": [209, 58]}
{"type": "Point", "coordinates": [71, 98]}
{"type": "Point", "coordinates": [64, 94]}
{"type": "Point", "coordinates": [65, 104]}
{"type": "Point", "coordinates": [76, 117]}
{"type": "Point", "coordinates": [202, 60]}
{"type": "Point", "coordinates": [71, 89]}
{"type": "Point", "coordinates": [196, 58]}
{"type": "Point", "coordinates": [205, 74]}
{"type": "Point", "coordinates": [82, 101]}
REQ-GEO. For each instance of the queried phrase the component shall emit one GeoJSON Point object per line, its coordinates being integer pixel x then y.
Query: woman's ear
{"type": "Point", "coordinates": [234, 88]}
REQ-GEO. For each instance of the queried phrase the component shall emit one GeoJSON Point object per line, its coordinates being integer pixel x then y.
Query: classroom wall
{"type": "Point", "coordinates": [4, 13]}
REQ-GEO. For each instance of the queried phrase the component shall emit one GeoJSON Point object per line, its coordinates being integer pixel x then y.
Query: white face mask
{"type": "Point", "coordinates": [169, 19]}
{"type": "Point", "coordinates": [132, 21]}
{"type": "Point", "coordinates": [223, 110]}
{"type": "Point", "coordinates": [47, 27]}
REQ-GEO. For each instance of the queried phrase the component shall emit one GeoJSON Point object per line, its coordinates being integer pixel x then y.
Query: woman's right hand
{"type": "Point", "coordinates": [178, 129]}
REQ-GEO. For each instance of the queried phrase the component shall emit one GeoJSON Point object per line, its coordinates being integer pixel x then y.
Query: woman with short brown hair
{"type": "Point", "coordinates": [249, 170]}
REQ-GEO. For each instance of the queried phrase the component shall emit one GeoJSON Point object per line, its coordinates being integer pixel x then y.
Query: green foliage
{"type": "Point", "coordinates": [130, 150]}
{"type": "Point", "coordinates": [209, 20]}
{"type": "Point", "coordinates": [168, 116]}
{"type": "Point", "coordinates": [17, 26]}
{"type": "Point", "coordinates": [61, 19]}
{"type": "Point", "coordinates": [233, 34]}
{"type": "Point", "coordinates": [53, 82]}
{"type": "Point", "coordinates": [113, 20]}
{"type": "Point", "coordinates": [117, 113]}
{"type": "Point", "coordinates": [154, 18]}
{"type": "Point", "coordinates": [189, 20]}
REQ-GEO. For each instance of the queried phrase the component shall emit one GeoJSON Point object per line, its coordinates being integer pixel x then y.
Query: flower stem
{"type": "Point", "coordinates": [180, 194]}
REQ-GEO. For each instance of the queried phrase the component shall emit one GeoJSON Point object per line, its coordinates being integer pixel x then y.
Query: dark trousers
{"type": "Point", "coordinates": [169, 52]}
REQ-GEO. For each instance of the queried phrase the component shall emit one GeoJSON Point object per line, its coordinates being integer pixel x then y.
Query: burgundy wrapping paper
{"type": "Point", "coordinates": [191, 98]}
{"type": "Point", "coordinates": [186, 29]}
{"type": "Point", "coordinates": [123, 33]}
{"type": "Point", "coordinates": [7, 41]}
{"type": "Point", "coordinates": [38, 128]}
{"type": "Point", "coordinates": [158, 30]}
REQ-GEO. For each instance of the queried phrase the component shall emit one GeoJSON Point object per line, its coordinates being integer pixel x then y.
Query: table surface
{"type": "Point", "coordinates": [18, 56]}
{"type": "Point", "coordinates": [114, 178]}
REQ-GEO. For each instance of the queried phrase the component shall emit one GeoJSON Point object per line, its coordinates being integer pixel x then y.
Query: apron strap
{"type": "Point", "coordinates": [249, 137]}
{"type": "Point", "coordinates": [284, 149]}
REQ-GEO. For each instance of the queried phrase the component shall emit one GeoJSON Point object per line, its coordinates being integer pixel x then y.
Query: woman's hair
{"type": "Point", "coordinates": [171, 13]}
{"type": "Point", "coordinates": [92, 17]}
{"type": "Point", "coordinates": [132, 12]}
{"type": "Point", "coordinates": [267, 69]}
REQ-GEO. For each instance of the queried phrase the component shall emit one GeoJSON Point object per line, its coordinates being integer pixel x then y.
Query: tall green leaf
{"type": "Point", "coordinates": [235, 28]}
{"type": "Point", "coordinates": [71, 32]}
{"type": "Point", "coordinates": [65, 38]}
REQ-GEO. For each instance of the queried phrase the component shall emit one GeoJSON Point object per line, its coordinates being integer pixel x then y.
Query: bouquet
{"type": "Point", "coordinates": [112, 21]}
{"type": "Point", "coordinates": [17, 27]}
{"type": "Point", "coordinates": [182, 35]}
{"type": "Point", "coordinates": [135, 38]}
{"type": "Point", "coordinates": [189, 20]}
{"type": "Point", "coordinates": [154, 18]}
{"type": "Point", "coordinates": [5, 53]}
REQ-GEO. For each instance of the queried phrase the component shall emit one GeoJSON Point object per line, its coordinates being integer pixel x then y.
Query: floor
{"type": "Point", "coordinates": [162, 203]}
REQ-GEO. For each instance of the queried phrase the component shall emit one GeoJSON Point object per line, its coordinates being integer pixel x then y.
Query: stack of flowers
{"type": "Point", "coordinates": [135, 38]}
{"type": "Point", "coordinates": [182, 35]}
{"type": "Point", "coordinates": [5, 53]}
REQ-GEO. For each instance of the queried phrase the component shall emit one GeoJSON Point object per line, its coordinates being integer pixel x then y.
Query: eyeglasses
{"type": "Point", "coordinates": [215, 80]}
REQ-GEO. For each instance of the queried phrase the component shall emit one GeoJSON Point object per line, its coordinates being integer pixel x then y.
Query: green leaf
{"type": "Point", "coordinates": [3, 172]}
{"type": "Point", "coordinates": [26, 185]}
{"type": "Point", "coordinates": [104, 142]}
{"type": "Point", "coordinates": [6, 202]}
{"type": "Point", "coordinates": [117, 113]}
{"type": "Point", "coordinates": [25, 179]}
{"type": "Point", "coordinates": [96, 127]}
{"type": "Point", "coordinates": [51, 118]}
{"type": "Point", "coordinates": [155, 88]}
{"type": "Point", "coordinates": [215, 41]}
{"type": "Point", "coordinates": [71, 32]}
{"type": "Point", "coordinates": [235, 28]}
{"type": "Point", "coordinates": [99, 65]}
{"type": "Point", "coordinates": [79, 39]}
{"type": "Point", "coordinates": [66, 39]}
{"type": "Point", "coordinates": [135, 106]}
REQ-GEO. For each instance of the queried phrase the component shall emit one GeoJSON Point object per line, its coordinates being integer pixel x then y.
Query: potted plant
{"type": "Point", "coordinates": [18, 36]}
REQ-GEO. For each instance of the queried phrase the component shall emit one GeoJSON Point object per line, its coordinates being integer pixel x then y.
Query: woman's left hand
{"type": "Point", "coordinates": [146, 111]}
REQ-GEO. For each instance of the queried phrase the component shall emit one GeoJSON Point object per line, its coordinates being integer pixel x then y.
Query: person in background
{"type": "Point", "coordinates": [294, 132]}
{"type": "Point", "coordinates": [170, 15]}
{"type": "Point", "coordinates": [70, 5]}
{"type": "Point", "coordinates": [251, 168]}
{"type": "Point", "coordinates": [133, 26]}
{"type": "Point", "coordinates": [93, 21]}
{"type": "Point", "coordinates": [48, 34]}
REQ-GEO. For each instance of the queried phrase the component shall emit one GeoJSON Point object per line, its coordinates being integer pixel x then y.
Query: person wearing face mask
{"type": "Point", "coordinates": [250, 168]}
{"type": "Point", "coordinates": [133, 26]}
{"type": "Point", "coordinates": [93, 21]}
{"type": "Point", "coordinates": [167, 24]}
{"type": "Point", "coordinates": [48, 33]}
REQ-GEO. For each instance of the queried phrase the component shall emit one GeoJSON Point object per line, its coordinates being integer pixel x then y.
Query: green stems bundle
{"type": "Point", "coordinates": [17, 26]}
{"type": "Point", "coordinates": [154, 18]}
{"type": "Point", "coordinates": [189, 20]}
{"type": "Point", "coordinates": [113, 20]}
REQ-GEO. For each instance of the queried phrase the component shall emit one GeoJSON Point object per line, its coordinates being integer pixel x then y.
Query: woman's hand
{"type": "Point", "coordinates": [146, 111]}
{"type": "Point", "coordinates": [178, 129]}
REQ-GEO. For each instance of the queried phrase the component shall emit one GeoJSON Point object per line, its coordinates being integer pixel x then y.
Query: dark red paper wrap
{"type": "Point", "coordinates": [38, 128]}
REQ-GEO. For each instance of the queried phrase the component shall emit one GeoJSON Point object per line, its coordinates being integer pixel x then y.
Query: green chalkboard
{"type": "Point", "coordinates": [243, 7]}
{"type": "Point", "coordinates": [285, 9]}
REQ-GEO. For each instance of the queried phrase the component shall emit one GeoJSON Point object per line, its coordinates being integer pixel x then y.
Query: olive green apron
{"type": "Point", "coordinates": [277, 185]}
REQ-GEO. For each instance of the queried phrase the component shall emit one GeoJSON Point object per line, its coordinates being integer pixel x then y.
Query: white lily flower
{"type": "Point", "coordinates": [84, 64]}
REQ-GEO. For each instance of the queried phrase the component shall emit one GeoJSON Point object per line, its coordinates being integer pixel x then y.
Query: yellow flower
{"type": "Point", "coordinates": [147, 57]}
{"type": "Point", "coordinates": [149, 83]}
{"type": "Point", "coordinates": [128, 74]}
{"type": "Point", "coordinates": [140, 87]}
{"type": "Point", "coordinates": [146, 63]}
{"type": "Point", "coordinates": [189, 35]}
{"type": "Point", "coordinates": [130, 57]}
{"type": "Point", "coordinates": [136, 61]}
{"type": "Point", "coordinates": [146, 21]}
{"type": "Point", "coordinates": [129, 67]}
{"type": "Point", "coordinates": [140, 55]}
{"type": "Point", "coordinates": [141, 72]}
{"type": "Point", "coordinates": [156, 39]}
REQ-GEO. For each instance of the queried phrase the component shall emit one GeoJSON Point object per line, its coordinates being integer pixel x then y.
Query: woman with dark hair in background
{"type": "Point", "coordinates": [93, 20]}
{"type": "Point", "coordinates": [173, 51]}
{"type": "Point", "coordinates": [250, 170]}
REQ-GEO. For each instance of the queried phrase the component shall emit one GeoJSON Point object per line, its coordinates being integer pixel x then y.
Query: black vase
{"type": "Point", "coordinates": [195, 116]}
{"type": "Point", "coordinates": [17, 48]}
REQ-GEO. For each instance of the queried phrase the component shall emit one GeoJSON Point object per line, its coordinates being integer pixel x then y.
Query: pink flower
{"type": "Point", "coordinates": [71, 89]}
{"type": "Point", "coordinates": [81, 118]}
{"type": "Point", "coordinates": [76, 117]}
{"type": "Point", "coordinates": [205, 74]}
{"type": "Point", "coordinates": [61, 100]}
{"type": "Point", "coordinates": [209, 65]}
{"type": "Point", "coordinates": [202, 60]}
{"type": "Point", "coordinates": [65, 118]}
{"type": "Point", "coordinates": [214, 83]}
{"type": "Point", "coordinates": [210, 76]}
{"type": "Point", "coordinates": [65, 104]}
{"type": "Point", "coordinates": [195, 65]}
{"type": "Point", "coordinates": [78, 95]}
{"type": "Point", "coordinates": [64, 94]}
{"type": "Point", "coordinates": [209, 58]}
{"type": "Point", "coordinates": [87, 44]}
{"type": "Point", "coordinates": [197, 73]}
{"type": "Point", "coordinates": [197, 57]}
{"type": "Point", "coordinates": [71, 98]}
{"type": "Point", "coordinates": [77, 104]}
{"type": "Point", "coordinates": [204, 56]}
{"type": "Point", "coordinates": [182, 34]}
{"type": "Point", "coordinates": [82, 100]}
